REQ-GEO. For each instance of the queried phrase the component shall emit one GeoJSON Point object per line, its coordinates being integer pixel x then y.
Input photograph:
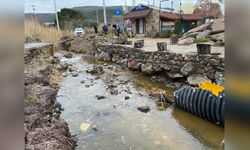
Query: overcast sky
{"type": "Point", "coordinates": [47, 6]}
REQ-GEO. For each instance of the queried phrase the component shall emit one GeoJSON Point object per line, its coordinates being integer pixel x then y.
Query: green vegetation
{"type": "Point", "coordinates": [203, 40]}
{"type": "Point", "coordinates": [30, 100]}
{"type": "Point", "coordinates": [70, 19]}
{"type": "Point", "coordinates": [178, 28]}
{"type": "Point", "coordinates": [166, 34]}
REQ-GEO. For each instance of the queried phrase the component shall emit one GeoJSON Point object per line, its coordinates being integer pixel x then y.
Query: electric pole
{"type": "Point", "coordinates": [133, 3]}
{"type": "Point", "coordinates": [34, 12]}
{"type": "Point", "coordinates": [104, 13]}
{"type": "Point", "coordinates": [153, 2]}
{"type": "Point", "coordinates": [97, 17]}
{"type": "Point", "coordinates": [57, 20]}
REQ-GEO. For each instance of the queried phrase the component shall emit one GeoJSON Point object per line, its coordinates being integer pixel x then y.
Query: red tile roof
{"type": "Point", "coordinates": [171, 16]}
{"type": "Point", "coordinates": [137, 14]}
{"type": "Point", "coordinates": [192, 17]}
{"type": "Point", "coordinates": [185, 17]}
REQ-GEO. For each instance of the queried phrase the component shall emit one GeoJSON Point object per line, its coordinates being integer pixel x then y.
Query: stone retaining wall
{"type": "Point", "coordinates": [173, 64]}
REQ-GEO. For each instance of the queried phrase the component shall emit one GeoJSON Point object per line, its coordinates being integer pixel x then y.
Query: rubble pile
{"type": "Point", "coordinates": [214, 31]}
{"type": "Point", "coordinates": [43, 127]}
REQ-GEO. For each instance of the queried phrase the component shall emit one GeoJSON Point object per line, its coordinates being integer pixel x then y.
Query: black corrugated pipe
{"type": "Point", "coordinates": [202, 103]}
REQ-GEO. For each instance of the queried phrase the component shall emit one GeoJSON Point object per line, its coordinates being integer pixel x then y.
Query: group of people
{"type": "Point", "coordinates": [105, 29]}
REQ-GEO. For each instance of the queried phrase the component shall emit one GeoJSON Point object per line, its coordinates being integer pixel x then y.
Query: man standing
{"type": "Point", "coordinates": [105, 29]}
{"type": "Point", "coordinates": [118, 30]}
{"type": "Point", "coordinates": [95, 28]}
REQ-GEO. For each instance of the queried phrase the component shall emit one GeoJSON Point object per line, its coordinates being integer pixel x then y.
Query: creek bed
{"type": "Point", "coordinates": [115, 123]}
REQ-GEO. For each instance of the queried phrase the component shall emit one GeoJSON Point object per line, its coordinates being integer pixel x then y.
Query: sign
{"type": "Point", "coordinates": [117, 12]}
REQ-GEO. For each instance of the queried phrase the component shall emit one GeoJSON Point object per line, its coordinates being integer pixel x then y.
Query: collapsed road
{"type": "Point", "coordinates": [103, 101]}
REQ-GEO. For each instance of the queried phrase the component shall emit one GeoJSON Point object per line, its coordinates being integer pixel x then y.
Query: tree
{"type": "Point", "coordinates": [208, 9]}
{"type": "Point", "coordinates": [178, 28]}
{"type": "Point", "coordinates": [69, 18]}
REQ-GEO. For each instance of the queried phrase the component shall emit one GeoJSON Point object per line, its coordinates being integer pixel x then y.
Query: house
{"type": "Point", "coordinates": [148, 21]}
{"type": "Point", "coordinates": [188, 21]}
{"type": "Point", "coordinates": [144, 20]}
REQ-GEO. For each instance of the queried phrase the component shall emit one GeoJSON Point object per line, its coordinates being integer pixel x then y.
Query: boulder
{"type": "Point", "coordinates": [214, 62]}
{"type": "Point", "coordinates": [186, 41]}
{"type": "Point", "coordinates": [144, 109]}
{"type": "Point", "coordinates": [175, 75]}
{"type": "Point", "coordinates": [133, 65]}
{"type": "Point", "coordinates": [139, 44]}
{"type": "Point", "coordinates": [147, 69]}
{"type": "Point", "coordinates": [103, 56]}
{"type": "Point", "coordinates": [197, 79]}
{"type": "Point", "coordinates": [218, 25]}
{"type": "Point", "coordinates": [68, 55]}
{"type": "Point", "coordinates": [219, 78]}
{"type": "Point", "coordinates": [204, 34]}
{"type": "Point", "coordinates": [219, 38]}
{"type": "Point", "coordinates": [187, 68]}
{"type": "Point", "coordinates": [201, 27]}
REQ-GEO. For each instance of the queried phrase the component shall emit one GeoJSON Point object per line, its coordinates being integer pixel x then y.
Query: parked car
{"type": "Point", "coordinates": [78, 32]}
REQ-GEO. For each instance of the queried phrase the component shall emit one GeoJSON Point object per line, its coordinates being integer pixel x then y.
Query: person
{"type": "Point", "coordinates": [118, 30]}
{"type": "Point", "coordinates": [105, 29]}
{"type": "Point", "coordinates": [95, 28]}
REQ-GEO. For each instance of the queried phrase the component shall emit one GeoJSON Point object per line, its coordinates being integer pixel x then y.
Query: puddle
{"type": "Point", "coordinates": [115, 123]}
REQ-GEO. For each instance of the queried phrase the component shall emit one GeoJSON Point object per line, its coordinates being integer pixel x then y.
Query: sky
{"type": "Point", "coordinates": [47, 6]}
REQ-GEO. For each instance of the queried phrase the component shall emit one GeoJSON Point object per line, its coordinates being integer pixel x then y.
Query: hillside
{"type": "Point", "coordinates": [90, 12]}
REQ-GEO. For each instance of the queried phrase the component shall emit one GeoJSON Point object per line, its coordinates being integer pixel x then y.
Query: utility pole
{"type": "Point", "coordinates": [57, 20]}
{"type": "Point", "coordinates": [104, 13]}
{"type": "Point", "coordinates": [133, 3]}
{"type": "Point", "coordinates": [97, 17]}
{"type": "Point", "coordinates": [34, 12]}
{"type": "Point", "coordinates": [153, 2]}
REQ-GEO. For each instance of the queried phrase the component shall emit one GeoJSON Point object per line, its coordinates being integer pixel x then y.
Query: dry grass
{"type": "Point", "coordinates": [38, 32]}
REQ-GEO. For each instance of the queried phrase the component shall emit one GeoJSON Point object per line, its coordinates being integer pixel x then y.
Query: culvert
{"type": "Point", "coordinates": [202, 103]}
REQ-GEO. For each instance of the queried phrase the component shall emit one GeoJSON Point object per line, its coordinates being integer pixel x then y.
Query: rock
{"type": "Point", "coordinates": [175, 75]}
{"type": "Point", "coordinates": [147, 69]}
{"type": "Point", "coordinates": [87, 86]}
{"type": "Point", "coordinates": [144, 109]}
{"type": "Point", "coordinates": [133, 65]}
{"type": "Point", "coordinates": [103, 56]}
{"type": "Point", "coordinates": [214, 62]}
{"type": "Point", "coordinates": [162, 46]}
{"type": "Point", "coordinates": [75, 75]}
{"type": "Point", "coordinates": [218, 25]}
{"type": "Point", "coordinates": [96, 70]}
{"type": "Point", "coordinates": [192, 34]}
{"type": "Point", "coordinates": [71, 68]}
{"type": "Point", "coordinates": [186, 41]}
{"type": "Point", "coordinates": [113, 91]}
{"type": "Point", "coordinates": [201, 27]}
{"type": "Point", "coordinates": [68, 55]}
{"type": "Point", "coordinates": [139, 44]}
{"type": "Point", "coordinates": [84, 127]}
{"type": "Point", "coordinates": [197, 79]}
{"type": "Point", "coordinates": [55, 60]}
{"type": "Point", "coordinates": [219, 78]}
{"type": "Point", "coordinates": [204, 34]}
{"type": "Point", "coordinates": [99, 97]}
{"type": "Point", "coordinates": [127, 97]}
{"type": "Point", "coordinates": [187, 68]}
{"type": "Point", "coordinates": [120, 40]}
{"type": "Point", "coordinates": [82, 82]}
{"type": "Point", "coordinates": [219, 38]}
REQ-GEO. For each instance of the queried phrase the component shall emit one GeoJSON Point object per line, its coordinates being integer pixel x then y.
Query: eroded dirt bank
{"type": "Point", "coordinates": [44, 129]}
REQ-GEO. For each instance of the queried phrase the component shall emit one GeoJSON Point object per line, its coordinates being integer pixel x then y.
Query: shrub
{"type": "Point", "coordinates": [203, 40]}
{"type": "Point", "coordinates": [166, 34]}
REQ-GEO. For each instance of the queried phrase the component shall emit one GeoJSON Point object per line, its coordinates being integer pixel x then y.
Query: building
{"type": "Point", "coordinates": [149, 21]}
{"type": "Point", "coordinates": [144, 20]}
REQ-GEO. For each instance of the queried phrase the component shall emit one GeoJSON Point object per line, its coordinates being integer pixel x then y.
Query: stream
{"type": "Point", "coordinates": [114, 123]}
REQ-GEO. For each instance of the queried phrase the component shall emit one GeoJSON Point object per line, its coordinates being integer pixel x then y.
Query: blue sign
{"type": "Point", "coordinates": [118, 12]}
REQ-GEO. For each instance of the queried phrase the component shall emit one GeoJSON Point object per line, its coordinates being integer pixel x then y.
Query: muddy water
{"type": "Point", "coordinates": [115, 123]}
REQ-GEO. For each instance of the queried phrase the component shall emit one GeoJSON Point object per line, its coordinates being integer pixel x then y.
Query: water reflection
{"type": "Point", "coordinates": [205, 131]}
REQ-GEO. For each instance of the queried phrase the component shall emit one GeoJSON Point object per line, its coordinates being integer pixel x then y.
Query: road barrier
{"type": "Point", "coordinates": [202, 103]}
